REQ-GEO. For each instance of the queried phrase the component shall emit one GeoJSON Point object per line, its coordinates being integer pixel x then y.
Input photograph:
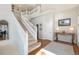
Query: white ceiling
{"type": "Point", "coordinates": [26, 6]}
{"type": "Point", "coordinates": [55, 7]}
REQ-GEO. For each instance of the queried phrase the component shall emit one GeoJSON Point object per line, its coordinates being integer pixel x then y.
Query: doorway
{"type": "Point", "coordinates": [4, 30]}
{"type": "Point", "coordinates": [39, 30]}
{"type": "Point", "coordinates": [37, 25]}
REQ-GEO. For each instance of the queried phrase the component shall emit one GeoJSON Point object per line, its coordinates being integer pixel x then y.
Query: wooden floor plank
{"type": "Point", "coordinates": [44, 43]}
{"type": "Point", "coordinates": [76, 49]}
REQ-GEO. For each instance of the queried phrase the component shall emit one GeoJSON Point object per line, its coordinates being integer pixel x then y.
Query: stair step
{"type": "Point", "coordinates": [31, 39]}
{"type": "Point", "coordinates": [33, 47]}
{"type": "Point", "coordinates": [30, 35]}
{"type": "Point", "coordinates": [31, 42]}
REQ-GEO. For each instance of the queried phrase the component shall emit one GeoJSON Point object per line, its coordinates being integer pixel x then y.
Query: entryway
{"type": "Point", "coordinates": [39, 31]}
{"type": "Point", "coordinates": [4, 30]}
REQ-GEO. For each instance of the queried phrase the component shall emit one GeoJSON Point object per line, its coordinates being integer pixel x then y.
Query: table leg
{"type": "Point", "coordinates": [56, 37]}
{"type": "Point", "coordinates": [73, 37]}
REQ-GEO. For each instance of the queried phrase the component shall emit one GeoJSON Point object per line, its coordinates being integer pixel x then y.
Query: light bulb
{"type": "Point", "coordinates": [71, 28]}
{"type": "Point", "coordinates": [57, 28]}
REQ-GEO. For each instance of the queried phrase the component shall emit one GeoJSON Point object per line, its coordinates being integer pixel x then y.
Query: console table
{"type": "Point", "coordinates": [65, 33]}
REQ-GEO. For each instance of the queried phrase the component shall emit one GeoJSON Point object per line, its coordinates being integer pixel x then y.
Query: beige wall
{"type": "Point", "coordinates": [47, 25]}
{"type": "Point", "coordinates": [71, 13]}
{"type": "Point", "coordinates": [68, 13]}
{"type": "Point", "coordinates": [16, 34]}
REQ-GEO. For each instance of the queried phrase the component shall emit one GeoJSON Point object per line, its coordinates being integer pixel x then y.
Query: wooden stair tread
{"type": "Point", "coordinates": [34, 46]}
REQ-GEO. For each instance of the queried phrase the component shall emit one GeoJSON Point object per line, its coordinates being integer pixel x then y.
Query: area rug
{"type": "Point", "coordinates": [44, 52]}
{"type": "Point", "coordinates": [60, 48]}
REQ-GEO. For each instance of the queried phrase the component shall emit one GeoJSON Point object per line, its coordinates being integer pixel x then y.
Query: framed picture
{"type": "Point", "coordinates": [64, 22]}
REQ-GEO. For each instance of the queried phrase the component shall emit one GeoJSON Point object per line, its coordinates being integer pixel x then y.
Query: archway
{"type": "Point", "coordinates": [4, 31]}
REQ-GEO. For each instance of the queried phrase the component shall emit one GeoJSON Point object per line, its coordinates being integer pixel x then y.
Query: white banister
{"type": "Point", "coordinates": [30, 27]}
{"type": "Point", "coordinates": [26, 17]}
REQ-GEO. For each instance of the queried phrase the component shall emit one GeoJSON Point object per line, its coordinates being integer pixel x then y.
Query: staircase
{"type": "Point", "coordinates": [32, 43]}
{"type": "Point", "coordinates": [30, 28]}
{"type": "Point", "coordinates": [32, 34]}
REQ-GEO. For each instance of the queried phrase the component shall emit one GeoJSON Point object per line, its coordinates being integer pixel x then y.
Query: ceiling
{"type": "Point", "coordinates": [28, 7]}
{"type": "Point", "coordinates": [55, 7]}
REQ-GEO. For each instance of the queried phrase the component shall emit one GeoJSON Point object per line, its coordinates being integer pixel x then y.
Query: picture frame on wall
{"type": "Point", "coordinates": [64, 22]}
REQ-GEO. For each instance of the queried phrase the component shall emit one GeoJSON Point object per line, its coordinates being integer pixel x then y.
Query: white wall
{"type": "Point", "coordinates": [78, 30]}
{"type": "Point", "coordinates": [17, 36]}
{"type": "Point", "coordinates": [70, 13]}
{"type": "Point", "coordinates": [78, 26]}
{"type": "Point", "coordinates": [21, 37]}
{"type": "Point", "coordinates": [47, 25]}
{"type": "Point", "coordinates": [5, 15]}
{"type": "Point", "coordinates": [46, 18]}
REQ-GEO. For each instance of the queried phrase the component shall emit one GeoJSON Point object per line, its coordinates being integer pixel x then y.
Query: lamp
{"type": "Point", "coordinates": [57, 29]}
{"type": "Point", "coordinates": [71, 29]}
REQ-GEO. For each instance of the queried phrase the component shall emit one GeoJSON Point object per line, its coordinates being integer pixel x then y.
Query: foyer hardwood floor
{"type": "Point", "coordinates": [76, 49]}
{"type": "Point", "coordinates": [46, 42]}
{"type": "Point", "coordinates": [43, 44]}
